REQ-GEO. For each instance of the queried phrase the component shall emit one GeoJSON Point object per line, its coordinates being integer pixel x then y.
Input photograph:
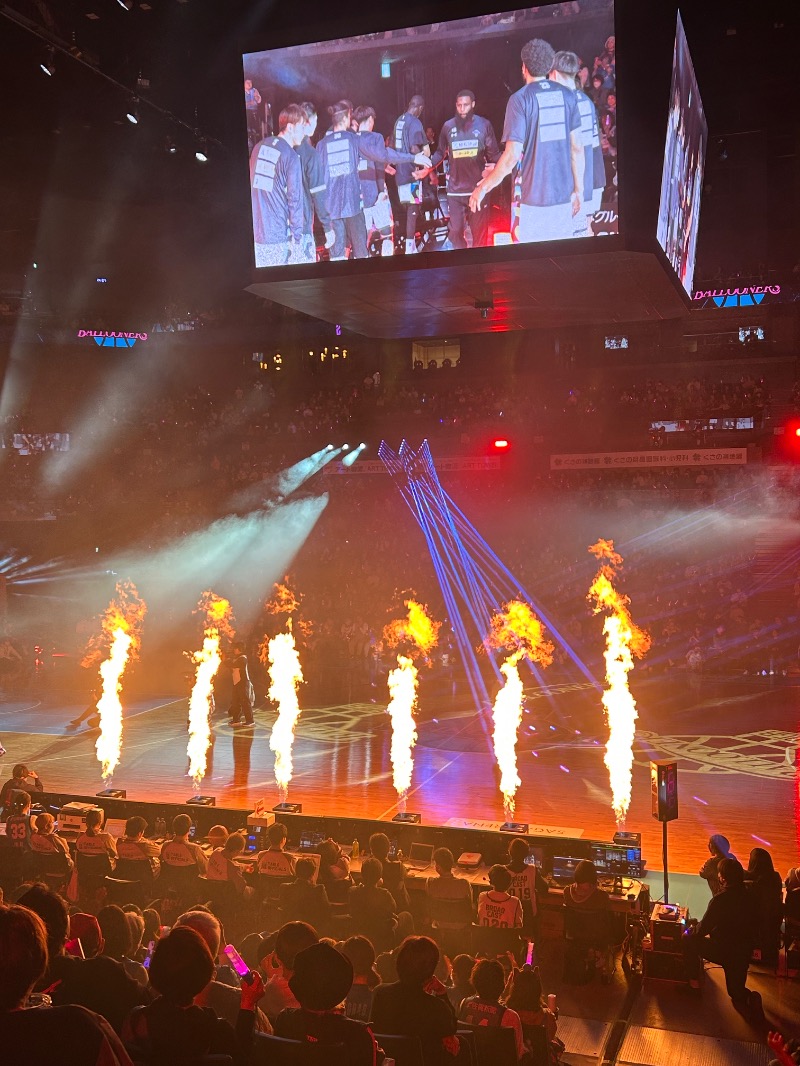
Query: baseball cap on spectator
{"type": "Point", "coordinates": [322, 977]}
{"type": "Point", "coordinates": [86, 928]}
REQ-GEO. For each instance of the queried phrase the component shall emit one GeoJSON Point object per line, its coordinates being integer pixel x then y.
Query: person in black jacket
{"type": "Point", "coordinates": [726, 935]}
{"type": "Point", "coordinates": [417, 1004]}
{"type": "Point", "coordinates": [99, 984]}
{"type": "Point", "coordinates": [766, 888]}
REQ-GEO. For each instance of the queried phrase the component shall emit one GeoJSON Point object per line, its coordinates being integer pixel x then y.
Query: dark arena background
{"type": "Point", "coordinates": [310, 448]}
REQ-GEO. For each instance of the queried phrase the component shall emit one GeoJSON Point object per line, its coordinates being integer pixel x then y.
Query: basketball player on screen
{"type": "Point", "coordinates": [542, 135]}
{"type": "Point", "coordinates": [276, 181]}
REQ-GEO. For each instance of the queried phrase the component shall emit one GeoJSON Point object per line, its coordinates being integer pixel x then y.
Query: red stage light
{"type": "Point", "coordinates": [797, 432]}
{"type": "Point", "coordinates": [501, 444]}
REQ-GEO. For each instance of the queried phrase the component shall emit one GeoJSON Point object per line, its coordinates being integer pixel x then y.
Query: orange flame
{"type": "Point", "coordinates": [218, 623]}
{"type": "Point", "coordinates": [121, 631]}
{"type": "Point", "coordinates": [516, 629]}
{"type": "Point", "coordinates": [624, 640]}
{"type": "Point", "coordinates": [285, 674]}
{"type": "Point", "coordinates": [402, 704]}
{"type": "Point", "coordinates": [286, 601]}
{"type": "Point", "coordinates": [418, 628]}
{"type": "Point", "coordinates": [421, 633]}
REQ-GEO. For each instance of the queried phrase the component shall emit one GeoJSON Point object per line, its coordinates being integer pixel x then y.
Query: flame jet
{"type": "Point", "coordinates": [517, 630]}
{"type": "Point", "coordinates": [281, 657]}
{"type": "Point", "coordinates": [419, 633]}
{"type": "Point", "coordinates": [624, 640]}
{"type": "Point", "coordinates": [218, 623]}
{"type": "Point", "coordinates": [119, 640]}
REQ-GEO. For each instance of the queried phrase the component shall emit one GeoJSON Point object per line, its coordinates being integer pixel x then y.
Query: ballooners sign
{"type": "Point", "coordinates": [105, 338]}
{"type": "Point", "coordinates": [743, 296]}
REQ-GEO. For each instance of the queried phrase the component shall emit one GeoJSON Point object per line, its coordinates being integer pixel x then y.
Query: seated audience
{"type": "Point", "coordinates": [217, 835]}
{"type": "Point", "coordinates": [766, 889]}
{"type": "Point", "coordinates": [526, 998]}
{"type": "Point", "coordinates": [116, 932]}
{"type": "Point", "coordinates": [222, 865]}
{"type": "Point", "coordinates": [485, 1008]}
{"type": "Point", "coordinates": [461, 980]}
{"type": "Point", "coordinates": [180, 853]}
{"type": "Point", "coordinates": [417, 1004]}
{"type": "Point", "coordinates": [22, 780]}
{"type": "Point", "coordinates": [277, 965]}
{"type": "Point", "coordinates": [719, 848]}
{"type": "Point", "coordinates": [58, 1035]}
{"type": "Point", "coordinates": [449, 897]}
{"type": "Point", "coordinates": [334, 871]}
{"type": "Point", "coordinates": [321, 979]}
{"type": "Point", "coordinates": [394, 872]}
{"type": "Point", "coordinates": [583, 894]}
{"type": "Point", "coordinates": [361, 953]}
{"type": "Point", "coordinates": [18, 823]}
{"type": "Point", "coordinates": [726, 935]}
{"type": "Point", "coordinates": [139, 855]}
{"type": "Point", "coordinates": [527, 884]}
{"type": "Point", "coordinates": [99, 984]}
{"type": "Point", "coordinates": [497, 908]}
{"type": "Point", "coordinates": [172, 1029]}
{"type": "Point", "coordinates": [221, 997]}
{"type": "Point", "coordinates": [85, 936]}
{"type": "Point", "coordinates": [372, 906]}
{"type": "Point", "coordinates": [93, 842]}
{"type": "Point", "coordinates": [135, 921]}
{"type": "Point", "coordinates": [45, 841]}
{"type": "Point", "coordinates": [302, 900]}
{"type": "Point", "coordinates": [274, 861]}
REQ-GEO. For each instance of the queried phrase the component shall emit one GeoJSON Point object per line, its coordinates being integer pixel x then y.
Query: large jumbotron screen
{"type": "Point", "coordinates": [684, 162]}
{"type": "Point", "coordinates": [479, 132]}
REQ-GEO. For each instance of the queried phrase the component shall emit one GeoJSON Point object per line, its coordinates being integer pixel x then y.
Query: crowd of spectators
{"type": "Point", "coordinates": [360, 964]}
{"type": "Point", "coordinates": [163, 469]}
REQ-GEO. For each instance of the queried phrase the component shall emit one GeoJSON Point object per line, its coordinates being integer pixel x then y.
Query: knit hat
{"type": "Point", "coordinates": [322, 977]}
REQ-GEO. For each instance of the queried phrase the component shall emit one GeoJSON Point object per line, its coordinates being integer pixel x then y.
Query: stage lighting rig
{"type": "Point", "coordinates": [47, 65]}
{"type": "Point", "coordinates": [132, 114]}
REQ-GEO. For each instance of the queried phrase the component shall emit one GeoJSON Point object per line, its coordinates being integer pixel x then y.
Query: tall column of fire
{"type": "Point", "coordinates": [218, 623]}
{"type": "Point", "coordinates": [119, 641]}
{"type": "Point", "coordinates": [418, 633]}
{"type": "Point", "coordinates": [624, 640]}
{"type": "Point", "coordinates": [517, 630]}
{"type": "Point", "coordinates": [281, 657]}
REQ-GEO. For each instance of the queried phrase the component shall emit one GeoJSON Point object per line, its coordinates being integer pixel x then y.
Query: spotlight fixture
{"type": "Point", "coordinates": [132, 114]}
{"type": "Point", "coordinates": [201, 152]}
{"type": "Point", "coordinates": [47, 65]}
{"type": "Point", "coordinates": [170, 147]}
{"type": "Point", "coordinates": [484, 307]}
{"type": "Point", "coordinates": [329, 448]}
{"type": "Point", "coordinates": [345, 447]}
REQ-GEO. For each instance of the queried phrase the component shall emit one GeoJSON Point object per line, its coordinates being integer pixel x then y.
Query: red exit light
{"type": "Point", "coordinates": [501, 444]}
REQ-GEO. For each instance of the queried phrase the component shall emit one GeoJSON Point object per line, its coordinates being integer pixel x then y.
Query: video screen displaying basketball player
{"type": "Point", "coordinates": [496, 148]}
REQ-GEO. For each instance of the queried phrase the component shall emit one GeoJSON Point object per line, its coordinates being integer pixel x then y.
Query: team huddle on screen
{"type": "Point", "coordinates": [551, 148]}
